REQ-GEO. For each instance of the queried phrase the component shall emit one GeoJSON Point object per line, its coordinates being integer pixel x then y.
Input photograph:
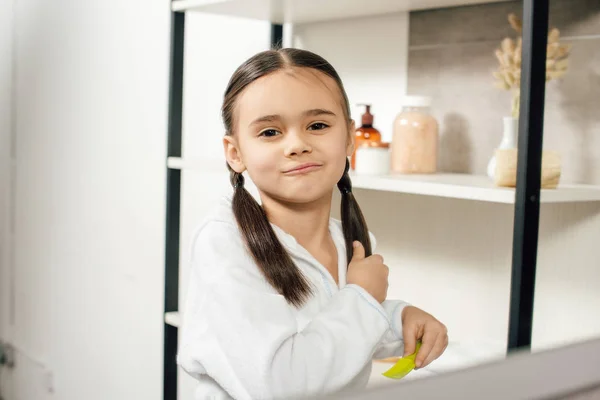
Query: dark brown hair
{"type": "Point", "coordinates": [262, 242]}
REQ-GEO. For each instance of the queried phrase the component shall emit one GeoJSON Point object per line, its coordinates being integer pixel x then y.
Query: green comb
{"type": "Point", "coordinates": [403, 366]}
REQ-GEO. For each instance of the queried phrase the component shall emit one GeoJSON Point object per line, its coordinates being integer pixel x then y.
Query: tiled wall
{"type": "Point", "coordinates": [451, 58]}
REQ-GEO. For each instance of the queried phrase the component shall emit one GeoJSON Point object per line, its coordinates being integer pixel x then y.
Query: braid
{"type": "Point", "coordinates": [353, 221]}
{"type": "Point", "coordinates": [264, 246]}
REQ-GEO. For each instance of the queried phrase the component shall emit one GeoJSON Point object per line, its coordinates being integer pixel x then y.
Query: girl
{"type": "Point", "coordinates": [285, 301]}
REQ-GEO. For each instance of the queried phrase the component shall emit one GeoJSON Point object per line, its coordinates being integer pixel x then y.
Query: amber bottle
{"type": "Point", "coordinates": [366, 132]}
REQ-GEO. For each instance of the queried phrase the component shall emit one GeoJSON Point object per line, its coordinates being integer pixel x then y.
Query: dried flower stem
{"type": "Point", "coordinates": [508, 75]}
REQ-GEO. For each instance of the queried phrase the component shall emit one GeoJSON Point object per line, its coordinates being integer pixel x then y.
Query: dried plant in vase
{"type": "Point", "coordinates": [508, 75]}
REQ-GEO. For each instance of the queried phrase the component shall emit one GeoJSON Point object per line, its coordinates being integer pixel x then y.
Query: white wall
{"type": "Point", "coordinates": [6, 40]}
{"type": "Point", "coordinates": [91, 111]}
{"type": "Point", "coordinates": [6, 26]}
{"type": "Point", "coordinates": [453, 258]}
{"type": "Point", "coordinates": [371, 56]}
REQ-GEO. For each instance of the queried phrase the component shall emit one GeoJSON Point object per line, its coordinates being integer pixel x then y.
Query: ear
{"type": "Point", "coordinates": [351, 138]}
{"type": "Point", "coordinates": [232, 154]}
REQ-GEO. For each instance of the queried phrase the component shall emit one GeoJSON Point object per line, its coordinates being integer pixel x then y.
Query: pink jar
{"type": "Point", "coordinates": [415, 138]}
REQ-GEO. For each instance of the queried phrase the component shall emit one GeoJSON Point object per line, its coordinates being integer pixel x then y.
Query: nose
{"type": "Point", "coordinates": [296, 144]}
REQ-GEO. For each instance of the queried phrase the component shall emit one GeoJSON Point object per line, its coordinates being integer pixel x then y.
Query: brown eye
{"type": "Point", "coordinates": [269, 133]}
{"type": "Point", "coordinates": [317, 126]}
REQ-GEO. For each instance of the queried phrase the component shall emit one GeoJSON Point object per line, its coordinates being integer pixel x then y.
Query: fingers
{"type": "Point", "coordinates": [359, 251]}
{"type": "Point", "coordinates": [440, 345]}
{"type": "Point", "coordinates": [428, 342]}
{"type": "Point", "coordinates": [410, 341]}
{"type": "Point", "coordinates": [377, 257]}
{"type": "Point", "coordinates": [419, 325]}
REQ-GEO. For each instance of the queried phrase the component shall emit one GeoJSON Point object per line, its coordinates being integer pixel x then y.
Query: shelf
{"type": "Point", "coordinates": [197, 165]}
{"type": "Point", "coordinates": [458, 186]}
{"type": "Point", "coordinates": [469, 187]}
{"type": "Point", "coordinates": [173, 319]}
{"type": "Point", "coordinates": [305, 11]}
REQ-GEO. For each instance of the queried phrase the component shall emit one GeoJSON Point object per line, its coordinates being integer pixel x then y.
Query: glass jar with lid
{"type": "Point", "coordinates": [415, 138]}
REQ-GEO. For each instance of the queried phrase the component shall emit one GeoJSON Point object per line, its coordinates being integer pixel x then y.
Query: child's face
{"type": "Point", "coordinates": [284, 121]}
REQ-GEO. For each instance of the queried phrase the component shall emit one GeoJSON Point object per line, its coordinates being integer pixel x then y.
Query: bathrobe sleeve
{"type": "Point", "coordinates": [392, 344]}
{"type": "Point", "coordinates": [244, 335]}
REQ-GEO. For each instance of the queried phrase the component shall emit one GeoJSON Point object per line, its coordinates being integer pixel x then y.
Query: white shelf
{"type": "Point", "coordinates": [458, 186]}
{"type": "Point", "coordinates": [173, 319]}
{"type": "Point", "coordinates": [303, 11]}
{"type": "Point", "coordinates": [197, 165]}
{"type": "Point", "coordinates": [469, 187]}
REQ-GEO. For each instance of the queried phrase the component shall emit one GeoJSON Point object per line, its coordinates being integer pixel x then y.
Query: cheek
{"type": "Point", "coordinates": [336, 153]}
{"type": "Point", "coordinates": [340, 166]}
{"type": "Point", "coordinates": [337, 147]}
{"type": "Point", "coordinates": [260, 160]}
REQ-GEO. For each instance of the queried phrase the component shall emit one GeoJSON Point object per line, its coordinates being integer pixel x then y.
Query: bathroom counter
{"type": "Point", "coordinates": [456, 357]}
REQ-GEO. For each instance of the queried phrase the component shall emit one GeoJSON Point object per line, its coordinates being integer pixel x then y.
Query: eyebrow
{"type": "Point", "coordinates": [308, 113]}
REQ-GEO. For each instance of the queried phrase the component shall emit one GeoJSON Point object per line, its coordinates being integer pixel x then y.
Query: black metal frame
{"type": "Point", "coordinates": [171, 292]}
{"type": "Point", "coordinates": [276, 36]}
{"type": "Point", "coordinates": [527, 196]}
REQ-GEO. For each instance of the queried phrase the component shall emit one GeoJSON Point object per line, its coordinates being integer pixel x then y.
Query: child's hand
{"type": "Point", "coordinates": [419, 325]}
{"type": "Point", "coordinates": [369, 273]}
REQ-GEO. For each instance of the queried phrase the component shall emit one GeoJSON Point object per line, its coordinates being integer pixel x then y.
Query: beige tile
{"type": "Point", "coordinates": [572, 120]}
{"type": "Point", "coordinates": [461, 24]}
{"type": "Point", "coordinates": [488, 22]}
{"type": "Point", "coordinates": [575, 17]}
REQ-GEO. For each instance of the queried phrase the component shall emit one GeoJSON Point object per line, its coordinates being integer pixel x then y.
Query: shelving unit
{"type": "Point", "coordinates": [526, 197]}
{"type": "Point", "coordinates": [456, 186]}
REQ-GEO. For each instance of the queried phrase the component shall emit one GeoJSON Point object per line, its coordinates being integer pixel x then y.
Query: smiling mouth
{"type": "Point", "coordinates": [303, 169]}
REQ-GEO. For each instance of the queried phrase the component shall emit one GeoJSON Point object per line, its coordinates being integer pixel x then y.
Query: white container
{"type": "Point", "coordinates": [509, 141]}
{"type": "Point", "coordinates": [373, 158]}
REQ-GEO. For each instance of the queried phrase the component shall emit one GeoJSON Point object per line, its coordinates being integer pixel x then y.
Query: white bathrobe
{"type": "Point", "coordinates": [242, 340]}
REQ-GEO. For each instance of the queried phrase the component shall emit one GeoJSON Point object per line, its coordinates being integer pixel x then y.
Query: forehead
{"type": "Point", "coordinates": [288, 92]}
